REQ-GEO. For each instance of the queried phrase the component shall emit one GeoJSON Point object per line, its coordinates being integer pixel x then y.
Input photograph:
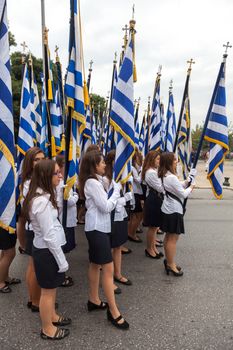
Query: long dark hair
{"type": "Point", "coordinates": [27, 167]}
{"type": "Point", "coordinates": [41, 178]}
{"type": "Point", "coordinates": [88, 169]}
{"type": "Point", "coordinates": [137, 158]}
{"type": "Point", "coordinates": [110, 157]}
{"type": "Point", "coordinates": [149, 162]}
{"type": "Point", "coordinates": [166, 164]}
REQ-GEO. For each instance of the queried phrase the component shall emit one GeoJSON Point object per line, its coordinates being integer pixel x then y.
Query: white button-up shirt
{"type": "Point", "coordinates": [152, 180]}
{"type": "Point", "coordinates": [172, 184]}
{"type": "Point", "coordinates": [71, 220]}
{"type": "Point", "coordinates": [137, 180]}
{"type": "Point", "coordinates": [98, 205]}
{"type": "Point", "coordinates": [48, 230]}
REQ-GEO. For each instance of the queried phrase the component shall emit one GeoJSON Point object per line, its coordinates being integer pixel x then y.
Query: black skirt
{"type": "Point", "coordinates": [138, 206]}
{"type": "Point", "coordinates": [7, 240]}
{"type": "Point", "coordinates": [119, 233]}
{"type": "Point", "coordinates": [173, 223]}
{"type": "Point", "coordinates": [29, 242]}
{"type": "Point", "coordinates": [46, 269]}
{"type": "Point", "coordinates": [70, 239]}
{"type": "Point", "coordinates": [152, 215]}
{"type": "Point", "coordinates": [99, 247]}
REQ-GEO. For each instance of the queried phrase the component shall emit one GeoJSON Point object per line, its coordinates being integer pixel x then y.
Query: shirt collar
{"type": "Point", "coordinates": [40, 191]}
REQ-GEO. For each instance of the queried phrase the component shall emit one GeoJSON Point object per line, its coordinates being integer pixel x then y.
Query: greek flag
{"type": "Point", "coordinates": [35, 108]}
{"type": "Point", "coordinates": [93, 128]}
{"type": "Point", "coordinates": [56, 122]}
{"type": "Point", "coordinates": [7, 147]}
{"type": "Point", "coordinates": [75, 97]}
{"type": "Point", "coordinates": [87, 134]}
{"type": "Point", "coordinates": [44, 125]}
{"type": "Point", "coordinates": [142, 135]}
{"type": "Point", "coordinates": [171, 124]}
{"type": "Point", "coordinates": [155, 125]}
{"type": "Point", "coordinates": [122, 116]}
{"type": "Point", "coordinates": [26, 135]}
{"type": "Point", "coordinates": [184, 139]}
{"type": "Point", "coordinates": [217, 134]}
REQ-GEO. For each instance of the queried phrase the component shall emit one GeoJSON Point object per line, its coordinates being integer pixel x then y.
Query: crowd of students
{"type": "Point", "coordinates": [156, 198]}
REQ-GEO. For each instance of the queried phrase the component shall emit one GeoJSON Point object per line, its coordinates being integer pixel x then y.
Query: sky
{"type": "Point", "coordinates": [169, 32]}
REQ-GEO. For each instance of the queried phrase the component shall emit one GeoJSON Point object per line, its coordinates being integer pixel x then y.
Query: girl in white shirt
{"type": "Point", "coordinates": [152, 207]}
{"type": "Point", "coordinates": [40, 207]}
{"type": "Point", "coordinates": [98, 230]}
{"type": "Point", "coordinates": [172, 209]}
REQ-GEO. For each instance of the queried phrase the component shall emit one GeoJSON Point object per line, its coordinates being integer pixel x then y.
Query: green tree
{"type": "Point", "coordinates": [98, 103]}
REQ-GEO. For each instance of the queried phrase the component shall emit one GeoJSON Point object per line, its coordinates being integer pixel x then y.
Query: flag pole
{"type": "Point", "coordinates": [209, 111]}
{"type": "Point", "coordinates": [182, 104]}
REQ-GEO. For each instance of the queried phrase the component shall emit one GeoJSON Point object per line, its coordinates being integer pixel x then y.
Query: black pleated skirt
{"type": "Point", "coordinates": [29, 242]}
{"type": "Point", "coordinates": [173, 223]}
{"type": "Point", "coordinates": [7, 240]}
{"type": "Point", "coordinates": [152, 215]}
{"type": "Point", "coordinates": [99, 247]}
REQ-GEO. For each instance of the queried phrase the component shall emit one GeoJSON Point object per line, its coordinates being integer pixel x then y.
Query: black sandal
{"type": "Point", "coordinates": [5, 289]}
{"type": "Point", "coordinates": [13, 281]}
{"type": "Point", "coordinates": [128, 251]}
{"type": "Point", "coordinates": [62, 321]}
{"type": "Point", "coordinates": [59, 334]}
{"type": "Point", "coordinates": [68, 282]}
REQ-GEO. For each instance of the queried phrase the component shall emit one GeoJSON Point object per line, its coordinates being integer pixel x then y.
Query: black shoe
{"type": "Point", "coordinates": [29, 304]}
{"type": "Point", "coordinates": [174, 273]}
{"type": "Point", "coordinates": [59, 334]}
{"type": "Point", "coordinates": [157, 256]}
{"type": "Point", "coordinates": [91, 306]}
{"type": "Point", "coordinates": [165, 264]}
{"type": "Point", "coordinates": [138, 240]}
{"type": "Point", "coordinates": [126, 283]}
{"type": "Point", "coordinates": [115, 321]}
{"type": "Point", "coordinates": [62, 321]}
{"type": "Point", "coordinates": [128, 251]}
{"type": "Point", "coordinates": [34, 308]}
{"type": "Point", "coordinates": [159, 232]}
{"type": "Point", "coordinates": [117, 291]}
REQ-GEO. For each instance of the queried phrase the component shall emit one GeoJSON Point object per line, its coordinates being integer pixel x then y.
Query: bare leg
{"type": "Point", "coordinates": [107, 282]}
{"type": "Point", "coordinates": [34, 289]}
{"type": "Point", "coordinates": [6, 259]}
{"type": "Point", "coordinates": [170, 241]}
{"type": "Point", "coordinates": [132, 226]}
{"type": "Point", "coordinates": [47, 311]}
{"type": "Point", "coordinates": [94, 279]}
{"type": "Point", "coordinates": [21, 232]}
{"type": "Point", "coordinates": [117, 260]}
{"type": "Point", "coordinates": [150, 241]}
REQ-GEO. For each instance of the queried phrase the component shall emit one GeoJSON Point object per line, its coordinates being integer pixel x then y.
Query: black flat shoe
{"type": "Point", "coordinates": [138, 240]}
{"type": "Point", "coordinates": [159, 232]}
{"type": "Point", "coordinates": [126, 283]}
{"type": "Point", "coordinates": [161, 254]}
{"type": "Point", "coordinates": [13, 281]}
{"type": "Point", "coordinates": [34, 308]}
{"type": "Point", "coordinates": [62, 321]}
{"type": "Point", "coordinates": [115, 321]}
{"type": "Point", "coordinates": [59, 334]}
{"type": "Point", "coordinates": [5, 289]}
{"type": "Point", "coordinates": [128, 251]}
{"type": "Point", "coordinates": [91, 306]}
{"type": "Point", "coordinates": [117, 291]}
{"type": "Point", "coordinates": [157, 256]}
{"type": "Point", "coordinates": [165, 264]}
{"type": "Point", "coordinates": [68, 282]}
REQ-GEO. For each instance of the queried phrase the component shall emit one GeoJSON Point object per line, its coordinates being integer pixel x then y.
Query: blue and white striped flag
{"type": "Point", "coordinates": [44, 122]}
{"type": "Point", "coordinates": [136, 125]}
{"type": "Point", "coordinates": [26, 135]}
{"type": "Point", "coordinates": [122, 116]}
{"type": "Point", "coordinates": [217, 134]}
{"type": "Point", "coordinates": [142, 135]}
{"type": "Point", "coordinates": [35, 107]}
{"type": "Point", "coordinates": [171, 124]}
{"type": "Point", "coordinates": [56, 122]}
{"type": "Point", "coordinates": [87, 134]}
{"type": "Point", "coordinates": [74, 97]}
{"type": "Point", "coordinates": [155, 125]}
{"type": "Point", "coordinates": [7, 147]}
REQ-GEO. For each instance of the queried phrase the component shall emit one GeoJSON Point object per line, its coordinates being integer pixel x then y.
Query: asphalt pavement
{"type": "Point", "coordinates": [193, 312]}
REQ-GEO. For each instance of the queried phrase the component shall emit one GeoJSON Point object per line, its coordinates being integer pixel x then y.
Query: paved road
{"type": "Point", "coordinates": [189, 313]}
